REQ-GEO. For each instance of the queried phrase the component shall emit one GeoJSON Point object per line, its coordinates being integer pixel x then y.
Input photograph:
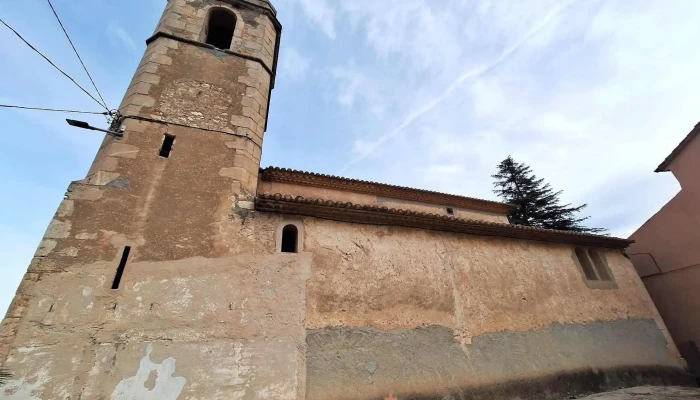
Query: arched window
{"type": "Point", "coordinates": [586, 264]}
{"type": "Point", "coordinates": [219, 29]}
{"type": "Point", "coordinates": [290, 239]}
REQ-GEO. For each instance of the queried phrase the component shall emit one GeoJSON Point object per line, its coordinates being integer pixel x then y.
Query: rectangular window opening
{"type": "Point", "coordinates": [167, 147]}
{"type": "Point", "coordinates": [586, 264]}
{"type": "Point", "coordinates": [599, 265]}
{"type": "Point", "coordinates": [120, 269]}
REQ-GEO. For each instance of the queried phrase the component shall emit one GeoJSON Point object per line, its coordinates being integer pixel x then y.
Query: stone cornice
{"type": "Point", "coordinates": [374, 215]}
{"type": "Point", "coordinates": [161, 34]}
{"type": "Point", "coordinates": [282, 175]}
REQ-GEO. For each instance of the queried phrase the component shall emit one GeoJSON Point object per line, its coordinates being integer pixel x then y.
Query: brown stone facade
{"type": "Point", "coordinates": [164, 277]}
{"type": "Point", "coordinates": [667, 251]}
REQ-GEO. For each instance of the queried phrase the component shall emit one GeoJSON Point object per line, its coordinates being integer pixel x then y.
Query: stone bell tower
{"type": "Point", "coordinates": [148, 280]}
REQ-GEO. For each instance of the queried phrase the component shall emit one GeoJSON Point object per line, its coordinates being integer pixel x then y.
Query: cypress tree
{"type": "Point", "coordinates": [537, 204]}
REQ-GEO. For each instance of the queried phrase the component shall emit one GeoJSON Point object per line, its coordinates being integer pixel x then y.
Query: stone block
{"type": "Point", "coordinates": [85, 192]}
{"type": "Point", "coordinates": [241, 121]}
{"type": "Point", "coordinates": [148, 77]}
{"type": "Point", "coordinates": [248, 81]}
{"type": "Point", "coordinates": [66, 209]}
{"type": "Point", "coordinates": [175, 23]}
{"type": "Point", "coordinates": [141, 100]}
{"type": "Point", "coordinates": [102, 178]}
{"type": "Point", "coordinates": [251, 103]}
{"type": "Point", "coordinates": [193, 28]}
{"type": "Point", "coordinates": [122, 150]}
{"type": "Point", "coordinates": [139, 88]}
{"type": "Point", "coordinates": [45, 248]}
{"type": "Point", "coordinates": [58, 229]}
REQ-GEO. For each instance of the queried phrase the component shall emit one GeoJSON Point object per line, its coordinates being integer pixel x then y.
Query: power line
{"type": "Point", "coordinates": [54, 65]}
{"type": "Point", "coordinates": [53, 110]}
{"type": "Point", "coordinates": [104, 103]}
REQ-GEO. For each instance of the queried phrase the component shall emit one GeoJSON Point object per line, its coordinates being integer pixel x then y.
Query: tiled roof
{"type": "Point", "coordinates": [678, 150]}
{"type": "Point", "coordinates": [366, 214]}
{"type": "Point", "coordinates": [283, 175]}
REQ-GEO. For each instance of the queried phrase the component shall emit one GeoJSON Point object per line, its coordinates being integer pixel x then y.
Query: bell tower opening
{"type": "Point", "coordinates": [220, 27]}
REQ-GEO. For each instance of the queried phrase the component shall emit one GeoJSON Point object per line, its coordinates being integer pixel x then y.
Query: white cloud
{"type": "Point", "coordinates": [120, 35]}
{"type": "Point", "coordinates": [588, 93]}
{"type": "Point", "coordinates": [293, 64]}
{"type": "Point", "coordinates": [466, 76]}
{"type": "Point", "coordinates": [319, 12]}
{"type": "Point", "coordinates": [356, 87]}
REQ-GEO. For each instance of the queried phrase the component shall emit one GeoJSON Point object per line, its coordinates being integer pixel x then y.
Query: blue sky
{"type": "Point", "coordinates": [593, 94]}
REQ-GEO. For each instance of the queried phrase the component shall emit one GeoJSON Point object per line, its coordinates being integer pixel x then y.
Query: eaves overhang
{"type": "Point", "coordinates": [374, 215]}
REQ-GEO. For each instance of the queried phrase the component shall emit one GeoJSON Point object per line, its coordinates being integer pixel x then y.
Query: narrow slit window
{"type": "Point", "coordinates": [290, 239]}
{"type": "Point", "coordinates": [219, 30]}
{"type": "Point", "coordinates": [586, 264]}
{"type": "Point", "coordinates": [450, 211]}
{"type": "Point", "coordinates": [167, 147]}
{"type": "Point", "coordinates": [120, 269]}
{"type": "Point", "coordinates": [599, 265]}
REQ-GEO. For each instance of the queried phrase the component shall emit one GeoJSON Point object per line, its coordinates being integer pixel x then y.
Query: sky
{"type": "Point", "coordinates": [432, 94]}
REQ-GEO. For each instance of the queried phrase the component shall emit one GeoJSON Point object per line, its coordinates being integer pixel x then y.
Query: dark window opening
{"type": "Point", "coordinates": [120, 269]}
{"type": "Point", "coordinates": [167, 147]}
{"type": "Point", "coordinates": [450, 211]}
{"type": "Point", "coordinates": [220, 28]}
{"type": "Point", "coordinates": [586, 264]}
{"type": "Point", "coordinates": [290, 236]}
{"type": "Point", "coordinates": [599, 265]}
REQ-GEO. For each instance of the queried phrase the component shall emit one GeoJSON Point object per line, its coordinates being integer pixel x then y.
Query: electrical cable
{"type": "Point", "coordinates": [54, 65]}
{"type": "Point", "coordinates": [53, 110]}
{"type": "Point", "coordinates": [104, 103]}
{"type": "Point", "coordinates": [162, 122]}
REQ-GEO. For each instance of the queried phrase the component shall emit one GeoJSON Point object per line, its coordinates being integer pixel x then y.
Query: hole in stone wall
{"type": "Point", "coordinates": [220, 28]}
{"type": "Point", "coordinates": [120, 269]}
{"type": "Point", "coordinates": [450, 211]}
{"type": "Point", "coordinates": [586, 264]}
{"type": "Point", "coordinates": [290, 238]}
{"type": "Point", "coordinates": [167, 147]}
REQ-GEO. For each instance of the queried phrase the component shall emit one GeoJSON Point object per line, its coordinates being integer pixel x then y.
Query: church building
{"type": "Point", "coordinates": [178, 269]}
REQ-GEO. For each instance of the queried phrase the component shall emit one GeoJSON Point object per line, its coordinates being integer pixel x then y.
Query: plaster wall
{"type": "Point", "coordinates": [667, 255]}
{"type": "Point", "coordinates": [367, 199]}
{"type": "Point", "coordinates": [676, 296]}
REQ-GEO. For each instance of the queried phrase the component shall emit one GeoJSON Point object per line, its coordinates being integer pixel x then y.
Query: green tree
{"type": "Point", "coordinates": [537, 204]}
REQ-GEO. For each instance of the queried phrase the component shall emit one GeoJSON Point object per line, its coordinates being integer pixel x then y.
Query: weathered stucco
{"type": "Point", "coordinates": [428, 363]}
{"type": "Point", "coordinates": [208, 307]}
{"type": "Point", "coordinates": [406, 278]}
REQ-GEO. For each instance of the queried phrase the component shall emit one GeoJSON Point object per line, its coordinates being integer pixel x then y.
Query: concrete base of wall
{"type": "Point", "coordinates": [429, 364]}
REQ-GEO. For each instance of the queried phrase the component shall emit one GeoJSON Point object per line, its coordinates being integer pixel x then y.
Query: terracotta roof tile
{"type": "Point", "coordinates": [368, 214]}
{"type": "Point", "coordinates": [284, 175]}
